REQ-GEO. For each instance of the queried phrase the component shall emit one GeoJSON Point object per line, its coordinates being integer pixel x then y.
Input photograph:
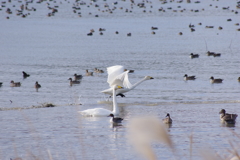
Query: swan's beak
{"type": "Point", "coordinates": [151, 78]}
{"type": "Point", "coordinates": [119, 87]}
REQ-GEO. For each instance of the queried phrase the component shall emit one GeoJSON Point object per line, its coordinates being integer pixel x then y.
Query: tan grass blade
{"type": "Point", "coordinates": [144, 131]}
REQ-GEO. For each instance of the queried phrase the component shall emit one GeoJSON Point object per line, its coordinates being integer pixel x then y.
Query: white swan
{"type": "Point", "coordinates": [117, 76]}
{"type": "Point", "coordinates": [101, 112]}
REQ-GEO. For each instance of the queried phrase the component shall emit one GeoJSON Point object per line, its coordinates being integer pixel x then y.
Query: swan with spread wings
{"type": "Point", "coordinates": [117, 76]}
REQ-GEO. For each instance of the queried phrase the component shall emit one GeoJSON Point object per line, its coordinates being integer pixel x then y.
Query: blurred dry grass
{"type": "Point", "coordinates": [145, 130]}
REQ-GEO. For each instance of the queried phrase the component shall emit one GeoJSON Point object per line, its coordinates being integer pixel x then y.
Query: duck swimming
{"type": "Point", "coordinates": [115, 120]}
{"type": "Point", "coordinates": [215, 80]}
{"type": "Point", "coordinates": [73, 82]}
{"type": "Point", "coordinates": [227, 118]}
{"type": "Point", "coordinates": [37, 85]}
{"type": "Point", "coordinates": [167, 120]}
{"type": "Point", "coordinates": [194, 55]}
{"type": "Point", "coordinates": [15, 84]}
{"type": "Point", "coordinates": [186, 77]}
{"type": "Point", "coordinates": [77, 76]}
{"type": "Point", "coordinates": [89, 73]}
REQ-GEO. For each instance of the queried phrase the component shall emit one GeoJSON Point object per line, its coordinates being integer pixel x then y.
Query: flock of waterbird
{"type": "Point", "coordinates": [120, 84]}
{"type": "Point", "coordinates": [18, 84]}
{"type": "Point", "coordinates": [212, 79]}
{"type": "Point", "coordinates": [117, 75]}
{"type": "Point", "coordinates": [98, 8]}
{"type": "Point", "coordinates": [37, 85]}
{"type": "Point", "coordinates": [225, 118]}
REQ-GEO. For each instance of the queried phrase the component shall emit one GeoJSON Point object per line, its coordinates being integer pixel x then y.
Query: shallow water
{"type": "Point", "coordinates": [52, 49]}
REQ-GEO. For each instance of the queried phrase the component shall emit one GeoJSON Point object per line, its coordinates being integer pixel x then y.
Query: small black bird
{"type": "Point", "coordinates": [25, 75]}
{"type": "Point", "coordinates": [115, 120]}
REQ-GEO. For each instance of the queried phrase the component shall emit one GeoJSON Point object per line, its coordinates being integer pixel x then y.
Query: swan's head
{"type": "Point", "coordinates": [212, 78]}
{"type": "Point", "coordinates": [185, 75]}
{"type": "Point", "coordinates": [148, 77]}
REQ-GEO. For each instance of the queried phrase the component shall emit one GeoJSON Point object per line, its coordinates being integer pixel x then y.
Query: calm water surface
{"type": "Point", "coordinates": [52, 49]}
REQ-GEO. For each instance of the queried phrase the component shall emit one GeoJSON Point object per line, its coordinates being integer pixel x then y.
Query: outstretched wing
{"type": "Point", "coordinates": [122, 80]}
{"type": "Point", "coordinates": [117, 76]}
{"type": "Point", "coordinates": [113, 72]}
{"type": "Point", "coordinates": [126, 82]}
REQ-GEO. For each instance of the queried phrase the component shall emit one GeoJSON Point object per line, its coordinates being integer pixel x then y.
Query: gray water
{"type": "Point", "coordinates": [52, 49]}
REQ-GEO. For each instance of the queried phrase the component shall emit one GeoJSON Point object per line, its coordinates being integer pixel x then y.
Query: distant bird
{"type": "Point", "coordinates": [1, 84]}
{"type": "Point", "coordinates": [89, 73]}
{"type": "Point", "coordinates": [238, 79]}
{"type": "Point", "coordinates": [100, 71]}
{"type": "Point", "coordinates": [77, 76]}
{"type": "Point", "coordinates": [215, 80]}
{"type": "Point", "coordinates": [37, 85]}
{"type": "Point", "coordinates": [73, 82]}
{"type": "Point", "coordinates": [154, 28]}
{"type": "Point", "coordinates": [227, 118]}
{"type": "Point", "coordinates": [186, 77]}
{"type": "Point", "coordinates": [209, 27]}
{"type": "Point", "coordinates": [191, 25]}
{"type": "Point", "coordinates": [167, 120]}
{"type": "Point", "coordinates": [96, 70]}
{"type": "Point", "coordinates": [116, 32]}
{"type": "Point", "coordinates": [180, 33]}
{"type": "Point", "coordinates": [225, 8]}
{"type": "Point", "coordinates": [25, 75]}
{"type": "Point", "coordinates": [90, 34]}
{"type": "Point", "coordinates": [129, 34]}
{"type": "Point", "coordinates": [130, 71]}
{"type": "Point", "coordinates": [210, 53]}
{"type": "Point", "coordinates": [102, 29]}
{"type": "Point", "coordinates": [194, 55]}
{"type": "Point", "coordinates": [15, 84]}
{"type": "Point", "coordinates": [115, 120]}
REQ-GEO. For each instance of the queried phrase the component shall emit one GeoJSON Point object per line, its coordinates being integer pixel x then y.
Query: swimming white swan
{"type": "Point", "coordinates": [101, 112]}
{"type": "Point", "coordinates": [117, 76]}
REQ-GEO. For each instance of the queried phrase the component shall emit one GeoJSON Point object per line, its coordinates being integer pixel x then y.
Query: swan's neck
{"type": "Point", "coordinates": [115, 106]}
{"type": "Point", "coordinates": [136, 84]}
